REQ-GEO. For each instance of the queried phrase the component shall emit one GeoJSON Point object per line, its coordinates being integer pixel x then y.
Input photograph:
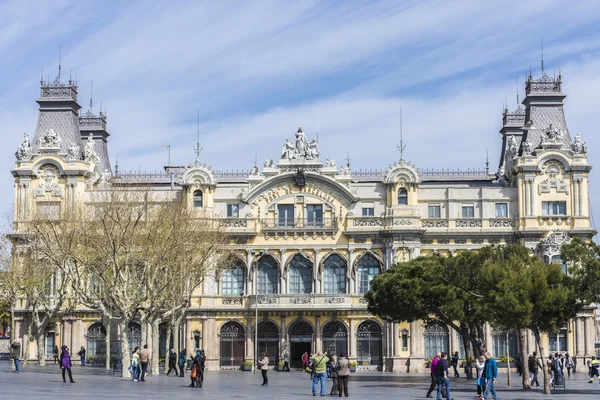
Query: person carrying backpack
{"type": "Point", "coordinates": [181, 363]}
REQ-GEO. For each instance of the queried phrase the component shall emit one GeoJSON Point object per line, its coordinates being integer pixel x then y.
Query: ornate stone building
{"type": "Point", "coordinates": [311, 235]}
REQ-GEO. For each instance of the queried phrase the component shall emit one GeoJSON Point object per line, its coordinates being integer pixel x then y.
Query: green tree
{"type": "Point", "coordinates": [435, 287]}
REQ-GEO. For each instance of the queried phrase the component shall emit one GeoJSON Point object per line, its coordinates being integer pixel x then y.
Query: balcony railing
{"type": "Point", "coordinates": [299, 224]}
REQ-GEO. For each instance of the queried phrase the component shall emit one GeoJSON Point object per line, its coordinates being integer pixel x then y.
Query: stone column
{"type": "Point", "coordinates": [488, 337]}
{"type": "Point", "coordinates": [533, 203]}
{"type": "Point", "coordinates": [317, 286]}
{"type": "Point", "coordinates": [283, 332]}
{"type": "Point", "coordinates": [579, 338]}
{"type": "Point", "coordinates": [576, 197]}
{"type": "Point", "coordinates": [248, 290]}
{"type": "Point", "coordinates": [351, 281]}
{"type": "Point", "coordinates": [66, 332]}
{"type": "Point", "coordinates": [282, 279]}
{"type": "Point", "coordinates": [453, 342]}
{"type": "Point", "coordinates": [396, 340]}
{"type": "Point", "coordinates": [579, 196]}
{"type": "Point", "coordinates": [590, 336]}
{"type": "Point", "coordinates": [352, 340]}
{"type": "Point", "coordinates": [249, 350]}
{"type": "Point", "coordinates": [318, 343]}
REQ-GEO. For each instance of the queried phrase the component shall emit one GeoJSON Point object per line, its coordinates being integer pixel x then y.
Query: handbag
{"type": "Point", "coordinates": [193, 374]}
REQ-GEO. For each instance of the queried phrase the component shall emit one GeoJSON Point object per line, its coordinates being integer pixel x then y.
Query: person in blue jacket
{"type": "Point", "coordinates": [490, 372]}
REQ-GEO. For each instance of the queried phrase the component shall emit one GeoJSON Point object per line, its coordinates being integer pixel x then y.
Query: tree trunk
{"type": "Point", "coordinates": [538, 340]}
{"type": "Point", "coordinates": [123, 337]}
{"type": "Point", "coordinates": [155, 346]}
{"type": "Point", "coordinates": [106, 322]}
{"type": "Point", "coordinates": [144, 331]}
{"type": "Point", "coordinates": [41, 347]}
{"type": "Point", "coordinates": [467, 346]}
{"type": "Point", "coordinates": [176, 338]}
{"type": "Point", "coordinates": [524, 359]}
{"type": "Point", "coordinates": [507, 361]}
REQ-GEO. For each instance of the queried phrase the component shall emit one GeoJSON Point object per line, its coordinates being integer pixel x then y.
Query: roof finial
{"type": "Point", "coordinates": [198, 149]}
{"type": "Point", "coordinates": [487, 162]}
{"type": "Point", "coordinates": [348, 160]}
{"type": "Point", "coordinates": [42, 77]}
{"type": "Point", "coordinates": [542, 48]}
{"type": "Point", "coordinates": [117, 164]}
{"type": "Point", "coordinates": [401, 145]}
{"type": "Point", "coordinates": [255, 159]}
{"type": "Point", "coordinates": [317, 126]}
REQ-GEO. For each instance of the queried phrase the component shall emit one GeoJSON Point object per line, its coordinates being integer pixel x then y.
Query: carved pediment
{"type": "Point", "coordinates": [197, 174]}
{"type": "Point", "coordinates": [401, 172]}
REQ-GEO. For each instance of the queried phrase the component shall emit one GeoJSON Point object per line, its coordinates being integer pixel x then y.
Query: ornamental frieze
{"type": "Point", "coordinates": [325, 192]}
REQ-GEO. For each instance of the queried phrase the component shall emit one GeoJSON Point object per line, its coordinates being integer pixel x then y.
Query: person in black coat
{"type": "Point", "coordinates": [172, 362]}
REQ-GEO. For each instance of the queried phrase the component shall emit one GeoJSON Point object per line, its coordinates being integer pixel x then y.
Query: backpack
{"type": "Point", "coordinates": [553, 365]}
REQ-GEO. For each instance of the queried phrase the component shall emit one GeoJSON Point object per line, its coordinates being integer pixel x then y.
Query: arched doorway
{"type": "Point", "coordinates": [134, 336]}
{"type": "Point", "coordinates": [335, 338]}
{"type": "Point", "coordinates": [301, 338]}
{"type": "Point", "coordinates": [96, 343]}
{"type": "Point", "coordinates": [436, 339]}
{"type": "Point", "coordinates": [268, 341]}
{"type": "Point", "coordinates": [233, 345]}
{"type": "Point", "coordinates": [369, 345]}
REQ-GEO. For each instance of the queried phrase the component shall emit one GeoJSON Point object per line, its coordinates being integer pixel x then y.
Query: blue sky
{"type": "Point", "coordinates": [257, 70]}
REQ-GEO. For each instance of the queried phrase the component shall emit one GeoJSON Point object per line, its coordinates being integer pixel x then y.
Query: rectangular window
{"type": "Point", "coordinates": [557, 342]}
{"type": "Point", "coordinates": [48, 210]}
{"type": "Point", "coordinates": [434, 211]}
{"type": "Point", "coordinates": [285, 215]}
{"type": "Point", "coordinates": [468, 211]}
{"type": "Point", "coordinates": [368, 212]}
{"type": "Point", "coordinates": [501, 210]}
{"type": "Point", "coordinates": [233, 210]}
{"type": "Point", "coordinates": [554, 208]}
{"type": "Point", "coordinates": [314, 215]}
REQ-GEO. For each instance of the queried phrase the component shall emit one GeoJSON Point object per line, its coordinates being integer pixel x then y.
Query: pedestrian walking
{"type": "Point", "coordinates": [135, 364]}
{"type": "Point", "coordinates": [550, 367]}
{"type": "Point", "coordinates": [81, 354]}
{"type": "Point", "coordinates": [490, 372]}
{"type": "Point", "coordinates": [433, 375]}
{"type": "Point", "coordinates": [304, 360]}
{"type": "Point", "coordinates": [201, 359]}
{"type": "Point", "coordinates": [286, 361]}
{"type": "Point", "coordinates": [65, 363]}
{"type": "Point", "coordinates": [194, 370]}
{"type": "Point", "coordinates": [172, 362]}
{"type": "Point", "coordinates": [55, 354]}
{"type": "Point", "coordinates": [480, 363]}
{"type": "Point", "coordinates": [557, 369]}
{"type": "Point", "coordinates": [334, 376]}
{"type": "Point", "coordinates": [455, 358]}
{"type": "Point", "coordinates": [328, 365]}
{"type": "Point", "coordinates": [264, 367]}
{"type": "Point", "coordinates": [144, 361]}
{"type": "Point", "coordinates": [343, 372]}
{"type": "Point", "coordinates": [442, 377]}
{"type": "Point", "coordinates": [319, 367]}
{"type": "Point", "coordinates": [594, 367]}
{"type": "Point", "coordinates": [519, 365]}
{"type": "Point", "coordinates": [569, 364]}
{"type": "Point", "coordinates": [181, 363]}
{"type": "Point", "coordinates": [16, 353]}
{"type": "Point", "coordinates": [534, 365]}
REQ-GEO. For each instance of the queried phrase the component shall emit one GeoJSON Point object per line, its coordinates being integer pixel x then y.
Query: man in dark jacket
{"type": "Point", "coordinates": [442, 376]}
{"type": "Point", "coordinates": [172, 362]}
{"type": "Point", "coordinates": [16, 353]}
{"type": "Point", "coordinates": [201, 359]}
{"type": "Point", "coordinates": [455, 358]}
{"type": "Point", "coordinates": [433, 375]}
{"type": "Point", "coordinates": [533, 365]}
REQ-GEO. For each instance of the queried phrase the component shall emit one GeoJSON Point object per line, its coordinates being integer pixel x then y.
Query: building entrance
{"type": "Point", "coordinates": [298, 349]}
{"type": "Point", "coordinates": [301, 339]}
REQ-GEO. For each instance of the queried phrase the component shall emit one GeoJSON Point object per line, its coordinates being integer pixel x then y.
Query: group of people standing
{"type": "Point", "coordinates": [197, 360]}
{"type": "Point", "coordinates": [556, 364]}
{"type": "Point", "coordinates": [139, 363]}
{"type": "Point", "coordinates": [329, 366]}
{"type": "Point", "coordinates": [487, 374]}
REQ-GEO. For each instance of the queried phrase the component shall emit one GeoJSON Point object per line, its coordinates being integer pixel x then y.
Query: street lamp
{"type": "Point", "coordinates": [260, 254]}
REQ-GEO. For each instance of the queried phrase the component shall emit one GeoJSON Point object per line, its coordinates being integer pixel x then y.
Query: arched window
{"type": "Point", "coordinates": [232, 280]}
{"type": "Point", "coordinates": [268, 341]}
{"type": "Point", "coordinates": [134, 336]}
{"type": "Point", "coordinates": [557, 341]}
{"type": "Point", "coordinates": [368, 268]}
{"type": "Point", "coordinates": [96, 341]}
{"type": "Point", "coordinates": [436, 339]}
{"type": "Point", "coordinates": [499, 344]}
{"type": "Point", "coordinates": [335, 338]}
{"type": "Point", "coordinates": [301, 271]}
{"type": "Point", "coordinates": [268, 275]}
{"type": "Point", "coordinates": [368, 344]}
{"type": "Point", "coordinates": [198, 198]}
{"type": "Point", "coordinates": [334, 275]}
{"type": "Point", "coordinates": [402, 196]}
{"type": "Point", "coordinates": [233, 345]}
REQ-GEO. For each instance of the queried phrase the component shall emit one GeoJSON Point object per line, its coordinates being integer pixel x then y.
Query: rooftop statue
{"type": "Point", "coordinates": [527, 148]}
{"type": "Point", "coordinates": [24, 151]}
{"type": "Point", "coordinates": [301, 149]}
{"type": "Point", "coordinates": [49, 140]}
{"type": "Point", "coordinates": [300, 144]}
{"type": "Point", "coordinates": [579, 146]}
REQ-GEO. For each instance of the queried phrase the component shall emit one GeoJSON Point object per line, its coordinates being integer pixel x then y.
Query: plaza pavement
{"type": "Point", "coordinates": [46, 383]}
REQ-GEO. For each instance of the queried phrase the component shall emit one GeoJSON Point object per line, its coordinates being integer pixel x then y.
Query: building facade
{"type": "Point", "coordinates": [311, 235]}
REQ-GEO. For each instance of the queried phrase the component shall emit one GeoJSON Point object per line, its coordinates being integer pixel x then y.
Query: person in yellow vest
{"type": "Point", "coordinates": [594, 366]}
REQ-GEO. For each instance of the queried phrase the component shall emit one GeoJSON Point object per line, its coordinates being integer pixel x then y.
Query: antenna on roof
{"type": "Point", "coordinates": [542, 48]}
{"type": "Point", "coordinates": [401, 145]}
{"type": "Point", "coordinates": [117, 164]}
{"type": "Point", "coordinates": [42, 77]}
{"type": "Point", "coordinates": [255, 158]}
{"type": "Point", "coordinates": [317, 126]}
{"type": "Point", "coordinates": [348, 160]}
{"type": "Point", "coordinates": [92, 95]}
{"type": "Point", "coordinates": [59, 60]}
{"type": "Point", "coordinates": [168, 146]}
{"type": "Point", "coordinates": [198, 149]}
{"type": "Point", "coordinates": [487, 162]}
{"type": "Point", "coordinates": [517, 90]}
